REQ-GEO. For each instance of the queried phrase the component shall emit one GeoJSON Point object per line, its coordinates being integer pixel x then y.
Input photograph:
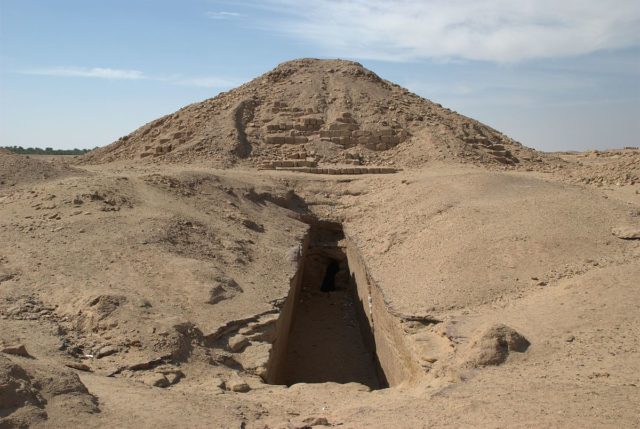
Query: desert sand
{"type": "Point", "coordinates": [320, 248]}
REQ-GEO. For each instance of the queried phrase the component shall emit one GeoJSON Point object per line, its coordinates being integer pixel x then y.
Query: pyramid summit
{"type": "Point", "coordinates": [327, 111]}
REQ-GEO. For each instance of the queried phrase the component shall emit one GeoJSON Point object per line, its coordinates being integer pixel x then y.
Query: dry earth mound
{"type": "Point", "coordinates": [309, 111]}
{"type": "Point", "coordinates": [18, 169]}
{"type": "Point", "coordinates": [29, 389]}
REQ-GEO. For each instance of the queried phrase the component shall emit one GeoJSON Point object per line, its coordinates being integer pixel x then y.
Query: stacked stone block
{"type": "Point", "coordinates": [332, 170]}
{"type": "Point", "coordinates": [286, 163]}
{"type": "Point", "coordinates": [498, 151]}
{"type": "Point", "coordinates": [156, 151]}
{"type": "Point", "coordinates": [343, 131]}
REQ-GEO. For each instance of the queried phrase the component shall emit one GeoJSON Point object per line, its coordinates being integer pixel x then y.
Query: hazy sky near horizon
{"type": "Point", "coordinates": [553, 75]}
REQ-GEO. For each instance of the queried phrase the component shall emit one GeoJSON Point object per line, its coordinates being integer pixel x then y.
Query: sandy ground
{"type": "Point", "coordinates": [182, 277]}
{"type": "Point", "coordinates": [141, 276]}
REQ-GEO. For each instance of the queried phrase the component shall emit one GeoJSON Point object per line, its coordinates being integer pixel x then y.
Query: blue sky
{"type": "Point", "coordinates": [553, 76]}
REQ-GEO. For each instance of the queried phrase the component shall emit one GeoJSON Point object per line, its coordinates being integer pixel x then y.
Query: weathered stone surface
{"type": "Point", "coordinates": [316, 421]}
{"type": "Point", "coordinates": [16, 350]}
{"type": "Point", "coordinates": [223, 288]}
{"type": "Point", "coordinates": [627, 232]}
{"type": "Point", "coordinates": [79, 366]}
{"type": "Point", "coordinates": [106, 351]}
{"type": "Point", "coordinates": [237, 343]}
{"type": "Point", "coordinates": [154, 379]}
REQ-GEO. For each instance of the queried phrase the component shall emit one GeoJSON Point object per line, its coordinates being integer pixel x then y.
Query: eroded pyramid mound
{"type": "Point", "coordinates": [328, 111]}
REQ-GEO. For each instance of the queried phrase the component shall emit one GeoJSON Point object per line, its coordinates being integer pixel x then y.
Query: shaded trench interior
{"type": "Point", "coordinates": [324, 333]}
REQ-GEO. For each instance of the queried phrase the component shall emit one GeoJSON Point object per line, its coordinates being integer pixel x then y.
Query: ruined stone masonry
{"type": "Point", "coordinates": [298, 127]}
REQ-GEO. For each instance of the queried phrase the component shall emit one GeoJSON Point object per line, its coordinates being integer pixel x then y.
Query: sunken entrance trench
{"type": "Point", "coordinates": [327, 337]}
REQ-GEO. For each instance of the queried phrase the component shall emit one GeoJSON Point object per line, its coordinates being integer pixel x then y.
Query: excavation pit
{"type": "Point", "coordinates": [325, 330]}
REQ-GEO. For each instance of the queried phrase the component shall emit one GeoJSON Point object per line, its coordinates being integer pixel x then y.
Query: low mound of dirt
{"type": "Point", "coordinates": [21, 169]}
{"type": "Point", "coordinates": [30, 389]}
{"type": "Point", "coordinates": [617, 167]}
{"type": "Point", "coordinates": [493, 345]}
{"type": "Point", "coordinates": [329, 111]}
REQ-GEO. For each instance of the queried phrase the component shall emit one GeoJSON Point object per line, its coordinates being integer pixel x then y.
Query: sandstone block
{"type": "Point", "coordinates": [274, 139]}
{"type": "Point", "coordinates": [342, 126]}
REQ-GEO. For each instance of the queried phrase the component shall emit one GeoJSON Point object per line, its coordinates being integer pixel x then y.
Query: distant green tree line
{"type": "Point", "coordinates": [46, 151]}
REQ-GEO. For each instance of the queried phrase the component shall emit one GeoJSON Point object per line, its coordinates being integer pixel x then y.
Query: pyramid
{"type": "Point", "coordinates": [311, 110]}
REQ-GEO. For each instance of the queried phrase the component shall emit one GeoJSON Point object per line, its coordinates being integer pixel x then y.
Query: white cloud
{"type": "Point", "coordinates": [488, 30]}
{"type": "Point", "coordinates": [223, 15]}
{"type": "Point", "coordinates": [95, 72]}
{"type": "Point", "coordinates": [109, 73]}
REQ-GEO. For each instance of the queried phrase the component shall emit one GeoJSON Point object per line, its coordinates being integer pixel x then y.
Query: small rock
{"type": "Point", "coordinates": [252, 225]}
{"type": "Point", "coordinates": [174, 376]}
{"type": "Point", "coordinates": [155, 380]}
{"type": "Point", "coordinates": [106, 351]}
{"type": "Point", "coordinates": [627, 233]}
{"type": "Point", "coordinates": [569, 338]}
{"type": "Point", "coordinates": [237, 343]}
{"type": "Point", "coordinates": [78, 366]}
{"type": "Point", "coordinates": [17, 350]}
{"type": "Point", "coordinates": [237, 384]}
{"type": "Point", "coordinates": [316, 421]}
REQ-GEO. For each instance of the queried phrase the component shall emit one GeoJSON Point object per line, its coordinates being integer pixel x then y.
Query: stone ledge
{"type": "Point", "coordinates": [337, 170]}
